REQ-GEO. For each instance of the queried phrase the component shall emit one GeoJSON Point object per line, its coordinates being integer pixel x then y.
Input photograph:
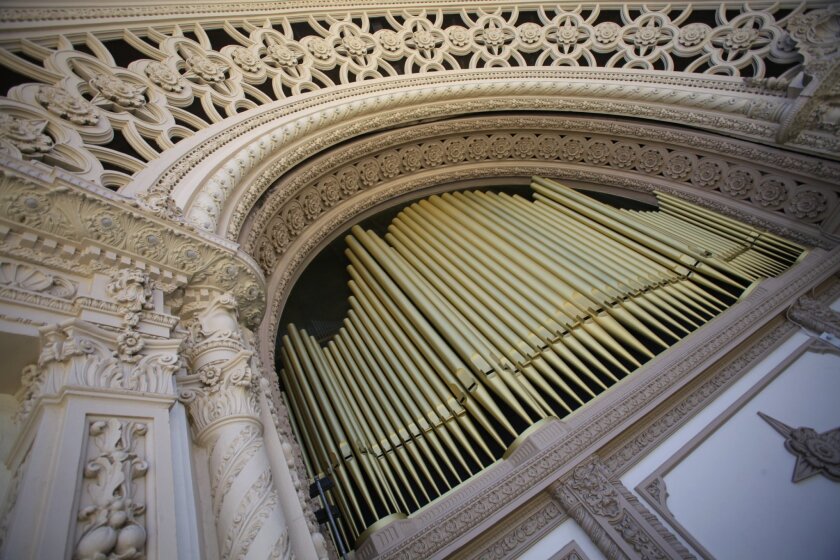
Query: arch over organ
{"type": "Point", "coordinates": [213, 155]}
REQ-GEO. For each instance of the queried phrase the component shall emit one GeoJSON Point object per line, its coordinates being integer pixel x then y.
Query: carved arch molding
{"type": "Point", "coordinates": [308, 206]}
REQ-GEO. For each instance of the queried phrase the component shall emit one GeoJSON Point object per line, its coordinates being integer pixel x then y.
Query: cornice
{"type": "Point", "coordinates": [60, 12]}
{"type": "Point", "coordinates": [49, 220]}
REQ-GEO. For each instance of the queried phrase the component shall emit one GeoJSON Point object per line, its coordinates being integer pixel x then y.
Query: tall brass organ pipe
{"type": "Point", "coordinates": [479, 314]}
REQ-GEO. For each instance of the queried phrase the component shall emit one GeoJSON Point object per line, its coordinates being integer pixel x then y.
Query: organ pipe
{"type": "Point", "coordinates": [479, 313]}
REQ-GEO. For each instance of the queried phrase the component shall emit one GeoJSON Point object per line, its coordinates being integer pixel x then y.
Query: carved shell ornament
{"type": "Point", "coordinates": [32, 279]}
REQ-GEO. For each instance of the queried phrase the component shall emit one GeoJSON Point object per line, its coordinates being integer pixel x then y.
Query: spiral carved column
{"type": "Point", "coordinates": [221, 395]}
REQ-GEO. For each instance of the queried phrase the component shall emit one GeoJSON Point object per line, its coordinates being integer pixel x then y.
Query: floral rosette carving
{"type": "Point", "coordinates": [24, 137]}
{"type": "Point", "coordinates": [390, 42]}
{"type": "Point", "coordinates": [606, 33]}
{"type": "Point", "coordinates": [648, 36]}
{"type": "Point", "coordinates": [459, 38]}
{"type": "Point", "coordinates": [69, 107]}
{"type": "Point", "coordinates": [807, 205]}
{"type": "Point", "coordinates": [118, 91]}
{"type": "Point", "coordinates": [651, 160]}
{"type": "Point", "coordinates": [205, 70]}
{"type": "Point", "coordinates": [816, 453]}
{"type": "Point", "coordinates": [739, 182]}
{"type": "Point", "coordinates": [771, 192]}
{"type": "Point", "coordinates": [164, 77]}
{"type": "Point", "coordinates": [692, 36]}
{"type": "Point", "coordinates": [707, 173]}
{"type": "Point", "coordinates": [678, 166]}
{"type": "Point", "coordinates": [495, 36]}
{"type": "Point", "coordinates": [330, 192]}
{"type": "Point", "coordinates": [246, 60]}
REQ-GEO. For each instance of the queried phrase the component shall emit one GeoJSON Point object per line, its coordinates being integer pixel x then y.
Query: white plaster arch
{"type": "Point", "coordinates": [218, 174]}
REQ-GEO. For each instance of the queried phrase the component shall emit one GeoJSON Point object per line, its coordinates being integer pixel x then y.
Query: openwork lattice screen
{"type": "Point", "coordinates": [479, 314]}
{"type": "Point", "coordinates": [102, 104]}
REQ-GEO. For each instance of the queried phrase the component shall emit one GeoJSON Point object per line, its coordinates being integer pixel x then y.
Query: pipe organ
{"type": "Point", "coordinates": [479, 314]}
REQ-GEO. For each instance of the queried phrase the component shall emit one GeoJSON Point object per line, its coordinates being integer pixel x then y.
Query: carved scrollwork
{"type": "Point", "coordinates": [112, 524]}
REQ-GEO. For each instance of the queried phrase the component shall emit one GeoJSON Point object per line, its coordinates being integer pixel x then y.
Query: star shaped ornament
{"type": "Point", "coordinates": [815, 453]}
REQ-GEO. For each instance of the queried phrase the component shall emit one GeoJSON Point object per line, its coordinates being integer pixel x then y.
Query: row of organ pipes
{"type": "Point", "coordinates": [479, 313]}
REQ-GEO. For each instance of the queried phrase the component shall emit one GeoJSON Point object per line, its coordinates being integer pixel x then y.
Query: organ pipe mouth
{"type": "Point", "coordinates": [480, 317]}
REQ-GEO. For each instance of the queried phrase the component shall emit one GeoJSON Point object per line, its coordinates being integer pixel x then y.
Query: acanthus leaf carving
{"type": "Point", "coordinates": [78, 354]}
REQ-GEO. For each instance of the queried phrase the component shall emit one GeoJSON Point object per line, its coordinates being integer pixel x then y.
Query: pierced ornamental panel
{"type": "Point", "coordinates": [101, 107]}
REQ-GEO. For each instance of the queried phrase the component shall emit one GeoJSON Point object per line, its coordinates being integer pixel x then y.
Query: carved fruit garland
{"type": "Point", "coordinates": [113, 529]}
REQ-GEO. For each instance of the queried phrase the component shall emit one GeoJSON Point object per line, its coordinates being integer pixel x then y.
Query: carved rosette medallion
{"type": "Point", "coordinates": [816, 453]}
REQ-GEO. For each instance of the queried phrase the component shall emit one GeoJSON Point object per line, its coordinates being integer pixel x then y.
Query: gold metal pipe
{"type": "Point", "coordinates": [496, 331]}
{"type": "Point", "coordinates": [321, 428]}
{"type": "Point", "coordinates": [664, 267]}
{"type": "Point", "coordinates": [401, 364]}
{"type": "Point", "coordinates": [366, 454]}
{"type": "Point", "coordinates": [495, 343]}
{"type": "Point", "coordinates": [334, 437]}
{"type": "Point", "coordinates": [549, 373]}
{"type": "Point", "coordinates": [563, 299]}
{"type": "Point", "coordinates": [456, 339]}
{"type": "Point", "coordinates": [582, 277]}
{"type": "Point", "coordinates": [409, 411]}
{"type": "Point", "coordinates": [651, 238]}
{"type": "Point", "coordinates": [305, 410]}
{"type": "Point", "coordinates": [527, 297]}
{"type": "Point", "coordinates": [574, 345]}
{"type": "Point", "coordinates": [435, 351]}
{"type": "Point", "coordinates": [305, 429]}
{"type": "Point", "coordinates": [590, 269]}
{"type": "Point", "coordinates": [351, 457]}
{"type": "Point", "coordinates": [557, 359]}
{"type": "Point", "coordinates": [489, 292]}
{"type": "Point", "coordinates": [436, 392]}
{"type": "Point", "coordinates": [661, 310]}
{"type": "Point", "coordinates": [390, 442]}
{"type": "Point", "coordinates": [400, 438]}
{"type": "Point", "coordinates": [382, 455]}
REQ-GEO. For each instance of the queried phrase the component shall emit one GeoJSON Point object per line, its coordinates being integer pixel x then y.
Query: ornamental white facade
{"type": "Point", "coordinates": [170, 171]}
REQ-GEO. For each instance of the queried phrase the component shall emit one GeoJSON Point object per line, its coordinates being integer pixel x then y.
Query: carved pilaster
{"type": "Point", "coordinates": [113, 505]}
{"type": "Point", "coordinates": [613, 518]}
{"type": "Point", "coordinates": [222, 399]}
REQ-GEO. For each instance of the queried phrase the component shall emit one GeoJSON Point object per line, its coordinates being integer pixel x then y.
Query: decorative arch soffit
{"type": "Point", "coordinates": [791, 194]}
{"type": "Point", "coordinates": [218, 178]}
{"type": "Point", "coordinates": [196, 104]}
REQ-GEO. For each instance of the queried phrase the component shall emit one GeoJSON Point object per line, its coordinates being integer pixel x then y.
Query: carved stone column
{"type": "Point", "coordinates": [222, 398]}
